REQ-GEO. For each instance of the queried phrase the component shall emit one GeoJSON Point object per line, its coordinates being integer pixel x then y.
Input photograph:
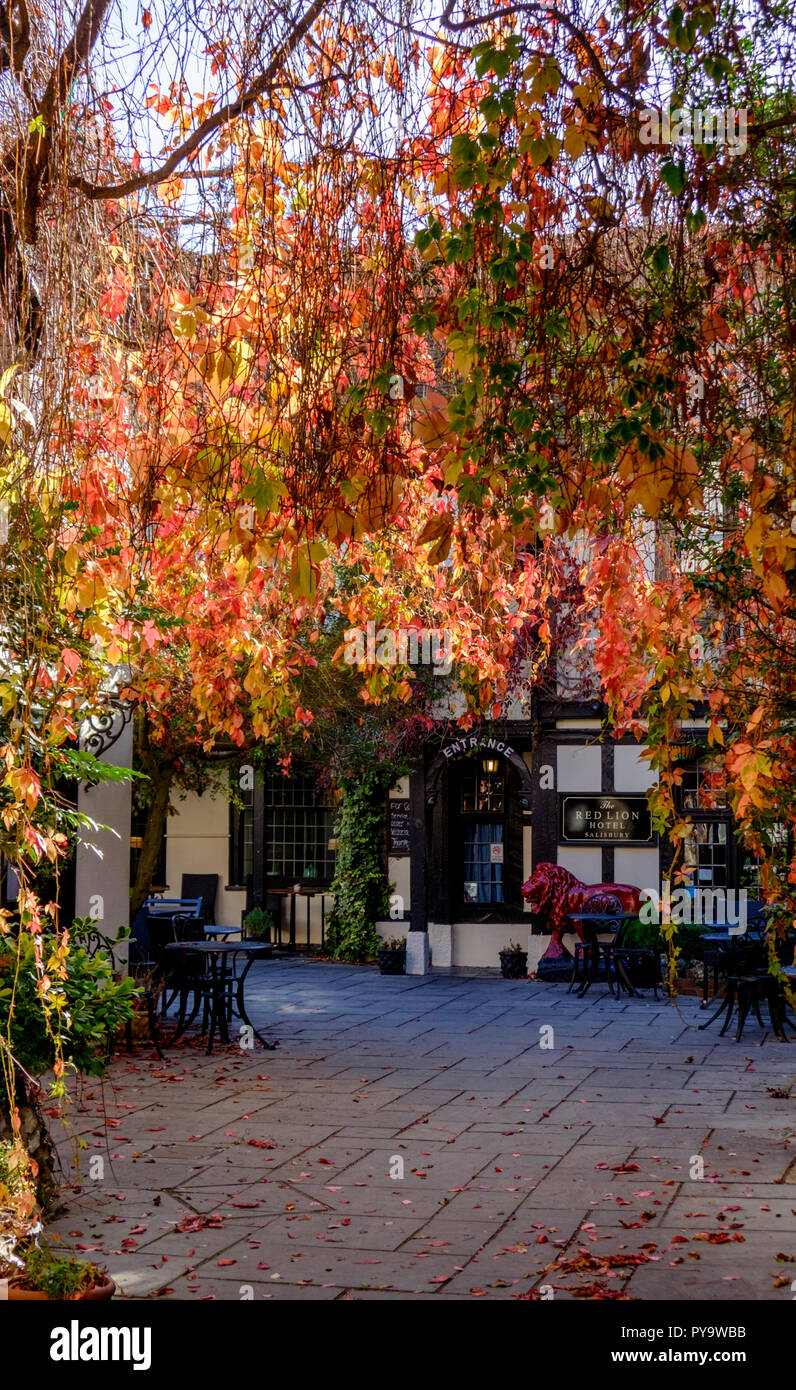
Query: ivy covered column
{"type": "Point", "coordinates": [360, 887]}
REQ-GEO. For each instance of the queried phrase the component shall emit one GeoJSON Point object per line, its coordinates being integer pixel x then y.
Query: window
{"type": "Point", "coordinates": [482, 804]}
{"type": "Point", "coordinates": [706, 851]}
{"type": "Point", "coordinates": [780, 852]}
{"type": "Point", "coordinates": [703, 786]}
{"type": "Point", "coordinates": [482, 787]}
{"type": "Point", "coordinates": [483, 862]}
{"type": "Point", "coordinates": [298, 827]}
{"type": "Point", "coordinates": [241, 838]}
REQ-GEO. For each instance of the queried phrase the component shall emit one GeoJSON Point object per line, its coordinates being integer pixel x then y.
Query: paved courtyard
{"type": "Point", "coordinates": [539, 1146]}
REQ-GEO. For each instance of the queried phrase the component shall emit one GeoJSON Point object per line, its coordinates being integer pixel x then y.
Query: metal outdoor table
{"type": "Point", "coordinates": [588, 931]}
{"type": "Point", "coordinates": [224, 990]}
{"type": "Point", "coordinates": [716, 942]}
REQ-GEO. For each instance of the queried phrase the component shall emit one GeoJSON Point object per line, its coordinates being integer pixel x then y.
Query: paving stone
{"type": "Point", "coordinates": [515, 1142]}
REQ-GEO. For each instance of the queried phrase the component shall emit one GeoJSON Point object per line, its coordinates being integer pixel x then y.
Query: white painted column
{"type": "Point", "coordinates": [102, 868]}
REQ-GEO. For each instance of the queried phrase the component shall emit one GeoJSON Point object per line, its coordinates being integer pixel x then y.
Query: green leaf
{"type": "Point", "coordinates": [464, 150]}
{"type": "Point", "coordinates": [673, 175]}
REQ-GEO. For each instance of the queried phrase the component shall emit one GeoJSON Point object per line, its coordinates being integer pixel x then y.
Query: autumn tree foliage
{"type": "Point", "coordinates": [213, 442]}
{"type": "Point", "coordinates": [348, 316]}
{"type": "Point", "coordinates": [613, 284]}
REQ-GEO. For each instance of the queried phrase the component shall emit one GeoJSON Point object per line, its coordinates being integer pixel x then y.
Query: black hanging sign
{"type": "Point", "coordinates": [588, 820]}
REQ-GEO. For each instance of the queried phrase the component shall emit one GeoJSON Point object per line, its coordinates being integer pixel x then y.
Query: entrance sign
{"type": "Point", "coordinates": [478, 743]}
{"type": "Point", "coordinates": [586, 820]}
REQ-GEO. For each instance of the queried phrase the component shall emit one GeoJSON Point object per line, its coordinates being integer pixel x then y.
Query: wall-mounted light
{"type": "Point", "coordinates": [489, 764]}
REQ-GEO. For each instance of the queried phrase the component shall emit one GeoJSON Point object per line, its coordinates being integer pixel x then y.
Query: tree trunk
{"type": "Point", "coordinates": [160, 780]}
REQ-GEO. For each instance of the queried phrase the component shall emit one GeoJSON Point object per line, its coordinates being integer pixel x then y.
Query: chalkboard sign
{"type": "Point", "coordinates": [613, 819]}
{"type": "Point", "coordinates": [399, 827]}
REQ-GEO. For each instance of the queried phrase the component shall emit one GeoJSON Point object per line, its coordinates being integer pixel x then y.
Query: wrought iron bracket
{"type": "Point", "coordinates": [100, 730]}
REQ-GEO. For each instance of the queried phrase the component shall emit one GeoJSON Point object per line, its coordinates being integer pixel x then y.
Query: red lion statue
{"type": "Point", "coordinates": [553, 893]}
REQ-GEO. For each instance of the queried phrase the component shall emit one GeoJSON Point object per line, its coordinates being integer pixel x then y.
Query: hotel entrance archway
{"type": "Point", "coordinates": [479, 800]}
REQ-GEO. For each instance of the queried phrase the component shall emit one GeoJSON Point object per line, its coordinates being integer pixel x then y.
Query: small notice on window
{"type": "Point", "coordinates": [496, 854]}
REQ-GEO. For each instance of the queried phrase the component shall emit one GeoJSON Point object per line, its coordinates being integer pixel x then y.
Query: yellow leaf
{"type": "Point", "coordinates": [453, 472]}
{"type": "Point", "coordinates": [338, 525]}
{"type": "Point", "coordinates": [303, 578]}
{"type": "Point", "coordinates": [574, 142]}
{"type": "Point", "coordinates": [775, 585]}
{"type": "Point", "coordinates": [7, 376]}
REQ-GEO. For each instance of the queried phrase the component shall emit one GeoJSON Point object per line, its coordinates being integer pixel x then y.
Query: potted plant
{"type": "Point", "coordinates": [47, 1276]}
{"type": "Point", "coordinates": [33, 1271]}
{"type": "Point", "coordinates": [392, 956]}
{"type": "Point", "coordinates": [513, 962]}
{"type": "Point", "coordinates": [257, 924]}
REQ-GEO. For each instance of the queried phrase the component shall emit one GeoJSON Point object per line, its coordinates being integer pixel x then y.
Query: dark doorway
{"type": "Point", "coordinates": [485, 837]}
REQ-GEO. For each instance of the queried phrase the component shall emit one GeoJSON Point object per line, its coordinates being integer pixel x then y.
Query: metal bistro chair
{"type": "Point", "coordinates": [178, 976]}
{"type": "Point", "coordinates": [720, 944]}
{"type": "Point", "coordinates": [590, 950]}
{"type": "Point", "coordinates": [204, 886]}
{"type": "Point", "coordinates": [152, 927]}
{"type": "Point", "coordinates": [636, 967]}
{"type": "Point", "coordinates": [749, 982]}
{"type": "Point", "coordinates": [93, 941]}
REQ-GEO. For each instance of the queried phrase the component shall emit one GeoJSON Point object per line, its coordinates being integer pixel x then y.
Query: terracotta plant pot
{"type": "Point", "coordinates": [18, 1294]}
{"type": "Point", "coordinates": [98, 1291]}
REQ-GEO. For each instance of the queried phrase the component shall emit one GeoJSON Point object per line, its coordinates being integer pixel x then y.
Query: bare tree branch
{"type": "Point", "coordinates": [229, 112]}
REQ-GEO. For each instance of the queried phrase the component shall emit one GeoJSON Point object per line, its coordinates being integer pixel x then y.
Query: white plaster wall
{"type": "Point", "coordinates": [638, 866]}
{"type": "Point", "coordinates": [478, 943]}
{"type": "Point", "coordinates": [197, 842]}
{"type": "Point", "coordinates": [579, 767]}
{"type": "Point", "coordinates": [440, 940]}
{"type": "Point", "coordinates": [102, 865]}
{"type": "Point", "coordinates": [584, 861]}
{"type": "Point", "coordinates": [399, 873]}
{"type": "Point", "coordinates": [631, 773]}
